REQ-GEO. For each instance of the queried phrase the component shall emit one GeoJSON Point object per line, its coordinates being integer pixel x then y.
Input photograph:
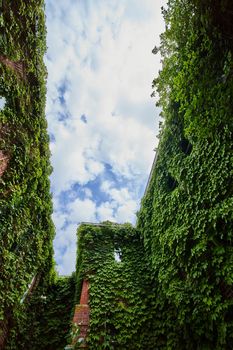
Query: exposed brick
{"type": "Point", "coordinates": [4, 159]}
{"type": "Point", "coordinates": [82, 314]}
{"type": "Point", "coordinates": [18, 67]}
{"type": "Point", "coordinates": [85, 293]}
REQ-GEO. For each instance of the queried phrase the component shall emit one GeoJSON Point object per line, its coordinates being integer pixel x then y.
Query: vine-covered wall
{"type": "Point", "coordinates": [26, 229]}
{"type": "Point", "coordinates": [112, 258]}
{"type": "Point", "coordinates": [43, 320]}
{"type": "Point", "coordinates": [186, 214]}
{"type": "Point", "coordinates": [173, 288]}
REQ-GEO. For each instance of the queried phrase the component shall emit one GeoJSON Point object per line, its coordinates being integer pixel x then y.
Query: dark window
{"type": "Point", "coordinates": [185, 146]}
{"type": "Point", "coordinates": [171, 183]}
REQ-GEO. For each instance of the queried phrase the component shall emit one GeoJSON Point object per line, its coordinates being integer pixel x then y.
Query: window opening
{"type": "Point", "coordinates": [117, 255]}
{"type": "Point", "coordinates": [2, 103]}
{"type": "Point", "coordinates": [171, 183]}
{"type": "Point", "coordinates": [185, 146]}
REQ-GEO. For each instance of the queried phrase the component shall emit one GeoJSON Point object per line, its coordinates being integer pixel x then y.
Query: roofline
{"type": "Point", "coordinates": [100, 224]}
{"type": "Point", "coordinates": [151, 172]}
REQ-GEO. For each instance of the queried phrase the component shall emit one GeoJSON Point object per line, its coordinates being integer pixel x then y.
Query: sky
{"type": "Point", "coordinates": [2, 102]}
{"type": "Point", "coordinates": [102, 120]}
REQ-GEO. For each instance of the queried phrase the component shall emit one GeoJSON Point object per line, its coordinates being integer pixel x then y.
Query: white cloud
{"type": "Point", "coordinates": [126, 212]}
{"type": "Point", "coordinates": [65, 238]}
{"type": "Point", "coordinates": [59, 220]}
{"type": "Point", "coordinates": [106, 212]}
{"type": "Point", "coordinates": [122, 205]}
{"type": "Point", "coordinates": [88, 193]}
{"type": "Point", "coordinates": [100, 65]}
{"type": "Point", "coordinates": [120, 84]}
{"type": "Point", "coordinates": [68, 261]}
{"type": "Point", "coordinates": [66, 257]}
{"type": "Point", "coordinates": [82, 210]}
{"type": "Point", "coordinates": [72, 155]}
{"type": "Point", "coordinates": [106, 185]}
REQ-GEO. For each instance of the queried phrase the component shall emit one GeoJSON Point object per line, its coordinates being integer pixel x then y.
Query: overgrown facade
{"type": "Point", "coordinates": [111, 258]}
{"type": "Point", "coordinates": [26, 229]}
{"type": "Point", "coordinates": [171, 286]}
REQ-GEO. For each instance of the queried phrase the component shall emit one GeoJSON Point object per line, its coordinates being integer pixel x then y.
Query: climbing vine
{"type": "Point", "coordinates": [120, 289]}
{"type": "Point", "coordinates": [43, 320]}
{"type": "Point", "coordinates": [26, 229]}
{"type": "Point", "coordinates": [173, 285]}
{"type": "Point", "coordinates": [186, 214]}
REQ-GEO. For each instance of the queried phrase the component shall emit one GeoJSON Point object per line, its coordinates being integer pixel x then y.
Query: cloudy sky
{"type": "Point", "coordinates": [102, 121]}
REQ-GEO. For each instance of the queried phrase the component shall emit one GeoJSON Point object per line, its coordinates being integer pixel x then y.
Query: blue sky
{"type": "Point", "coordinates": [2, 102]}
{"type": "Point", "coordinates": [102, 121]}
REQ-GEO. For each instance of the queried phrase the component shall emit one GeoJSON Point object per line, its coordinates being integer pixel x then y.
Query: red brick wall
{"type": "Point", "coordinates": [82, 314]}
{"type": "Point", "coordinates": [4, 159]}
{"type": "Point", "coordinates": [18, 67]}
{"type": "Point", "coordinates": [81, 318]}
{"type": "Point", "coordinates": [85, 293]}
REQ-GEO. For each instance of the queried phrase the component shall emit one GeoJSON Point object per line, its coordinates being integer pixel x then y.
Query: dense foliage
{"type": "Point", "coordinates": [43, 321]}
{"type": "Point", "coordinates": [26, 229]}
{"type": "Point", "coordinates": [120, 290]}
{"type": "Point", "coordinates": [186, 213]}
{"type": "Point", "coordinates": [173, 287]}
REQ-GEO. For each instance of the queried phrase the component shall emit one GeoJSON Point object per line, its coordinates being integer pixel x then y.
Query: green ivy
{"type": "Point", "coordinates": [120, 291]}
{"type": "Point", "coordinates": [26, 229]}
{"type": "Point", "coordinates": [173, 288]}
{"type": "Point", "coordinates": [43, 321]}
{"type": "Point", "coordinates": [186, 214]}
